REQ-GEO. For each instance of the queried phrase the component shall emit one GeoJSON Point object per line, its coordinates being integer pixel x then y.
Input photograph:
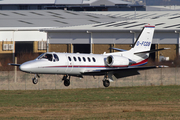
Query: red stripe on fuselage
{"type": "Point", "coordinates": [139, 63]}
{"type": "Point", "coordinates": [98, 66]}
{"type": "Point", "coordinates": [81, 66]}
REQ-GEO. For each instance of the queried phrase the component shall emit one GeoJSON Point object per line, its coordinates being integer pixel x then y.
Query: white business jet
{"type": "Point", "coordinates": [112, 65]}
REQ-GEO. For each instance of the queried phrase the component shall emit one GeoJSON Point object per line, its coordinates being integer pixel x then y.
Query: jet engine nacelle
{"type": "Point", "coordinates": [114, 61]}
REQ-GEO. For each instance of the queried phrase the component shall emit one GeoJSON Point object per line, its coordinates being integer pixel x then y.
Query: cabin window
{"type": "Point", "coordinates": [69, 58]}
{"type": "Point", "coordinates": [84, 59]}
{"type": "Point", "coordinates": [74, 58]}
{"type": "Point", "coordinates": [94, 59]}
{"type": "Point", "coordinates": [79, 59]}
{"type": "Point", "coordinates": [89, 59]}
{"type": "Point", "coordinates": [56, 58]}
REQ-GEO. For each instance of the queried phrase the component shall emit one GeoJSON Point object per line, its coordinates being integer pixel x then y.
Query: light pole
{"type": "Point", "coordinates": [91, 41]}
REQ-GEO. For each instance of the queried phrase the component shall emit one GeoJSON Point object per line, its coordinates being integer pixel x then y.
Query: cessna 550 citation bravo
{"type": "Point", "coordinates": [112, 65]}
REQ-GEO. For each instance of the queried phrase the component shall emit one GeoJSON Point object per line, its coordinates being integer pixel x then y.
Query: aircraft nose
{"type": "Point", "coordinates": [26, 67]}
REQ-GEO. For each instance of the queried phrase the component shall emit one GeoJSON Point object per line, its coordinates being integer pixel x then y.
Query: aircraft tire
{"type": "Point", "coordinates": [34, 80]}
{"type": "Point", "coordinates": [66, 82]}
{"type": "Point", "coordinates": [106, 83]}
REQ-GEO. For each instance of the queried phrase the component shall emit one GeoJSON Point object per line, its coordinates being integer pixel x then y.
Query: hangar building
{"type": "Point", "coordinates": [39, 31]}
{"type": "Point", "coordinates": [98, 38]}
{"type": "Point", "coordinates": [73, 5]}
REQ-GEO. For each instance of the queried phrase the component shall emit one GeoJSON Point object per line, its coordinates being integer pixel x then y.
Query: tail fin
{"type": "Point", "coordinates": [144, 41]}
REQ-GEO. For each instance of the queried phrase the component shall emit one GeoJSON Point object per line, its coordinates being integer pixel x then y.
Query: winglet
{"type": "Point", "coordinates": [167, 48]}
{"type": "Point", "coordinates": [162, 66]}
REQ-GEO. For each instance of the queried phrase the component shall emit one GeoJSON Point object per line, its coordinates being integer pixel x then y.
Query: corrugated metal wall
{"type": "Point", "coordinates": [108, 38]}
{"type": "Point", "coordinates": [165, 38]}
{"type": "Point", "coordinates": [68, 38]}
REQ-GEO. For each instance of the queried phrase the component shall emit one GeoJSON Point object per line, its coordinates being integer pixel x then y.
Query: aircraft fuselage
{"type": "Point", "coordinates": [67, 63]}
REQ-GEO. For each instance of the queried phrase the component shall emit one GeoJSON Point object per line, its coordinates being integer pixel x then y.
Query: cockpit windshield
{"type": "Point", "coordinates": [50, 57]}
{"type": "Point", "coordinates": [40, 56]}
{"type": "Point", "coordinates": [46, 56]}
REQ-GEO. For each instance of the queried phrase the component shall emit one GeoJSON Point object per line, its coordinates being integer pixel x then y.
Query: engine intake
{"type": "Point", "coordinates": [116, 61]}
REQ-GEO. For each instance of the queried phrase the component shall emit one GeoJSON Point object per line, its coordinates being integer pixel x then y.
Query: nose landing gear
{"type": "Point", "coordinates": [35, 79]}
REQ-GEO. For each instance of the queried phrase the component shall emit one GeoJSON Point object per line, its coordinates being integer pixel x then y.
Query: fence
{"type": "Point", "coordinates": [23, 81]}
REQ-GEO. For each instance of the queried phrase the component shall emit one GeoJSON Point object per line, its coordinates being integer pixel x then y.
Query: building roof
{"type": "Point", "coordinates": [62, 20]}
{"type": "Point", "coordinates": [88, 1]}
{"type": "Point", "coordinates": [107, 2]}
{"type": "Point", "coordinates": [59, 1]}
{"type": "Point", "coordinates": [68, 1]}
{"type": "Point", "coordinates": [164, 21]}
{"type": "Point", "coordinates": [27, 1]}
{"type": "Point", "coordinates": [49, 18]}
{"type": "Point", "coordinates": [163, 8]}
{"type": "Point", "coordinates": [119, 2]}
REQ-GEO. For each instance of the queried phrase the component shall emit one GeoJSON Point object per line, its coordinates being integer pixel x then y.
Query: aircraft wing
{"type": "Point", "coordinates": [133, 68]}
{"type": "Point", "coordinates": [13, 64]}
{"type": "Point", "coordinates": [122, 72]}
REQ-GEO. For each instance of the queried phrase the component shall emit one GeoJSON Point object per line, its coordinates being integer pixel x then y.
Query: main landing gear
{"type": "Point", "coordinates": [106, 83]}
{"type": "Point", "coordinates": [66, 80]}
{"type": "Point", "coordinates": [35, 79]}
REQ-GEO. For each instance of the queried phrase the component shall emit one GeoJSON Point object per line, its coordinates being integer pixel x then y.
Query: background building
{"type": "Point", "coordinates": [73, 5]}
{"type": "Point", "coordinates": [39, 31]}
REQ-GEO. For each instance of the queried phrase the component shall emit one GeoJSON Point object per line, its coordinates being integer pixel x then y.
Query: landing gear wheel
{"type": "Point", "coordinates": [34, 80]}
{"type": "Point", "coordinates": [106, 83]}
{"type": "Point", "coordinates": [66, 82]}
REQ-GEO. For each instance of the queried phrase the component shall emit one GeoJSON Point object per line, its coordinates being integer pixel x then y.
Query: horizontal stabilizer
{"type": "Point", "coordinates": [13, 64]}
{"type": "Point", "coordinates": [151, 51]}
{"type": "Point", "coordinates": [121, 50]}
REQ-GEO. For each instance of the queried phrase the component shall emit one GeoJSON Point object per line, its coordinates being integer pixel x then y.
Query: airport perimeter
{"type": "Point", "coordinates": [23, 81]}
